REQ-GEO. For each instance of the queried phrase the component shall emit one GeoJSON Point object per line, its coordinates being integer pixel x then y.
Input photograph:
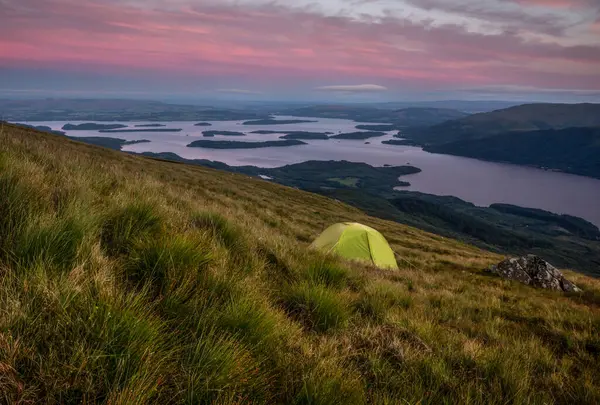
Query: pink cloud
{"type": "Point", "coordinates": [277, 43]}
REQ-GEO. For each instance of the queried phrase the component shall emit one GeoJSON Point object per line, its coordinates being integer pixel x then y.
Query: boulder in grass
{"type": "Point", "coordinates": [534, 271]}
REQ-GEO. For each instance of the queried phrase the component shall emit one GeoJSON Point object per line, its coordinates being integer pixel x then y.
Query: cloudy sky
{"type": "Point", "coordinates": [302, 49]}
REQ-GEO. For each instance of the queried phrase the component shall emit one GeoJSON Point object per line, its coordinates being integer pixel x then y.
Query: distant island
{"type": "Point", "coordinates": [305, 135]}
{"type": "Point", "coordinates": [266, 132]}
{"type": "Point", "coordinates": [375, 127]}
{"type": "Point", "coordinates": [91, 126]}
{"type": "Point", "coordinates": [295, 134]}
{"type": "Point", "coordinates": [275, 122]}
{"type": "Point", "coordinates": [114, 131]}
{"type": "Point", "coordinates": [224, 133]}
{"type": "Point", "coordinates": [149, 125]}
{"type": "Point", "coordinates": [203, 124]}
{"type": "Point", "coordinates": [401, 142]}
{"type": "Point", "coordinates": [243, 145]}
{"type": "Point", "coordinates": [358, 135]}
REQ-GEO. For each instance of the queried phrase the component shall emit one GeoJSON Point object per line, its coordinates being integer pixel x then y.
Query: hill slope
{"type": "Point", "coordinates": [557, 136]}
{"type": "Point", "coordinates": [411, 116]}
{"type": "Point", "coordinates": [527, 117]}
{"type": "Point", "coordinates": [130, 280]}
{"type": "Point", "coordinates": [563, 240]}
{"type": "Point", "coordinates": [571, 150]}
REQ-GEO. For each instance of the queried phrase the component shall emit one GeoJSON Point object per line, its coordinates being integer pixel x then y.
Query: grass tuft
{"type": "Point", "coordinates": [316, 307]}
{"type": "Point", "coordinates": [55, 244]}
{"type": "Point", "coordinates": [331, 385]}
{"type": "Point", "coordinates": [251, 322]}
{"type": "Point", "coordinates": [15, 211]}
{"type": "Point", "coordinates": [124, 227]}
{"type": "Point", "coordinates": [86, 346]}
{"type": "Point", "coordinates": [218, 367]}
{"type": "Point", "coordinates": [328, 273]}
{"type": "Point", "coordinates": [220, 229]}
{"type": "Point", "coordinates": [381, 297]}
{"type": "Point", "coordinates": [168, 265]}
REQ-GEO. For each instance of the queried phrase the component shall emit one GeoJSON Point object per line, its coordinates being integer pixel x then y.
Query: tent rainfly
{"type": "Point", "coordinates": [355, 241]}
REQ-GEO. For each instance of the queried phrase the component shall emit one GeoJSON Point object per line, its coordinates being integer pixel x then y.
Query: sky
{"type": "Point", "coordinates": [352, 50]}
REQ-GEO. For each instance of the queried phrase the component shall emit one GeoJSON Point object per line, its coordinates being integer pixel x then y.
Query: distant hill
{"type": "Point", "coordinates": [527, 117]}
{"type": "Point", "coordinates": [571, 150]}
{"type": "Point", "coordinates": [413, 116]}
{"type": "Point", "coordinates": [117, 110]}
{"type": "Point", "coordinates": [469, 106]}
{"type": "Point", "coordinates": [563, 137]}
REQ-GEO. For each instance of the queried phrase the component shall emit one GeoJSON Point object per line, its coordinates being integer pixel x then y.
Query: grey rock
{"type": "Point", "coordinates": [534, 271]}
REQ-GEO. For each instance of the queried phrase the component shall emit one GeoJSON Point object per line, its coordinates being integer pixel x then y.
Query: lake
{"type": "Point", "coordinates": [479, 182]}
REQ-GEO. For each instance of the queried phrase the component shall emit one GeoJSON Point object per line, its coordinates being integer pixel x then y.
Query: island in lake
{"type": "Point", "coordinates": [224, 133]}
{"type": "Point", "coordinates": [276, 122]}
{"type": "Point", "coordinates": [114, 131]}
{"type": "Point", "coordinates": [359, 135]}
{"type": "Point", "coordinates": [305, 135]}
{"type": "Point", "coordinates": [376, 127]}
{"type": "Point", "coordinates": [243, 145]}
{"type": "Point", "coordinates": [91, 126]}
{"type": "Point", "coordinates": [203, 124]}
{"type": "Point", "coordinates": [401, 142]}
{"type": "Point", "coordinates": [267, 132]}
{"type": "Point", "coordinates": [149, 125]}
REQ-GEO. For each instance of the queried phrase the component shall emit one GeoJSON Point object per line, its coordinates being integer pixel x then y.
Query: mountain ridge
{"type": "Point", "coordinates": [561, 137]}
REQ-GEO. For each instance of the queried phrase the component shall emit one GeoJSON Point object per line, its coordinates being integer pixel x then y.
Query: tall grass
{"type": "Point", "coordinates": [125, 226]}
{"type": "Point", "coordinates": [168, 265]}
{"type": "Point", "coordinates": [16, 202]}
{"type": "Point", "coordinates": [125, 280]}
{"type": "Point", "coordinates": [55, 244]}
{"type": "Point", "coordinates": [315, 306]}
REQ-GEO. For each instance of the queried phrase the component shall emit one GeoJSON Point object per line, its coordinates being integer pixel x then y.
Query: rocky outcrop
{"type": "Point", "coordinates": [534, 271]}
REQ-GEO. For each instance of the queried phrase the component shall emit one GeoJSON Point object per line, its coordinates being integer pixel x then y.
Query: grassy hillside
{"type": "Point", "coordinates": [563, 240]}
{"type": "Point", "coordinates": [126, 280]}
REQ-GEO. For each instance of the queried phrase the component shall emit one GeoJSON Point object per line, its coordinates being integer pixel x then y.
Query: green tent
{"type": "Point", "coordinates": [355, 241]}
